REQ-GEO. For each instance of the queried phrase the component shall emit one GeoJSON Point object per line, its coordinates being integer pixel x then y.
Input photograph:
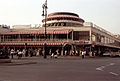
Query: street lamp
{"type": "Point", "coordinates": [44, 6]}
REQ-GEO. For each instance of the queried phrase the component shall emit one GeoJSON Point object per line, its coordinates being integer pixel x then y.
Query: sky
{"type": "Point", "coordinates": [104, 13]}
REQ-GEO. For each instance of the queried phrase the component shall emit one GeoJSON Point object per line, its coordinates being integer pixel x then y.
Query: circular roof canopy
{"type": "Point", "coordinates": [63, 13]}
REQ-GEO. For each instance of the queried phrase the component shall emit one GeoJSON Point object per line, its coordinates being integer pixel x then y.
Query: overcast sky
{"type": "Point", "coordinates": [104, 13]}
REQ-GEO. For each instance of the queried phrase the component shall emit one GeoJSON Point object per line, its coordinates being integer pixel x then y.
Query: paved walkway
{"type": "Point", "coordinates": [35, 60]}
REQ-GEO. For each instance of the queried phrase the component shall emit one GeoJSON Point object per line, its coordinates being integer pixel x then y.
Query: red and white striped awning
{"type": "Point", "coordinates": [63, 16]}
{"type": "Point", "coordinates": [39, 32]}
{"type": "Point", "coordinates": [81, 42]}
{"type": "Point", "coordinates": [12, 43]}
{"type": "Point", "coordinates": [50, 44]}
{"type": "Point", "coordinates": [62, 31]}
{"type": "Point", "coordinates": [31, 44]}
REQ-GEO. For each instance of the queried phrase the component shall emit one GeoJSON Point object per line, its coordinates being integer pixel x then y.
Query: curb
{"type": "Point", "coordinates": [14, 64]}
{"type": "Point", "coordinates": [5, 61]}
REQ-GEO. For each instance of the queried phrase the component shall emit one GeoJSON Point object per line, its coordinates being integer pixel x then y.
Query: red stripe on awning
{"type": "Point", "coordinates": [12, 43]}
{"type": "Point", "coordinates": [86, 42]}
{"type": "Point", "coordinates": [46, 43]}
{"type": "Point", "coordinates": [62, 31]}
{"type": "Point", "coordinates": [81, 42]}
{"type": "Point", "coordinates": [63, 16]}
{"type": "Point", "coordinates": [40, 32]}
{"type": "Point", "coordinates": [41, 44]}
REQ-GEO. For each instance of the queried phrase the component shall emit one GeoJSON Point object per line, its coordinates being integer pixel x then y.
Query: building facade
{"type": "Point", "coordinates": [66, 32]}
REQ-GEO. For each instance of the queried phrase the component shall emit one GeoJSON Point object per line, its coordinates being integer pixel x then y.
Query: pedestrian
{"type": "Point", "coordinates": [55, 55]}
{"type": "Point", "coordinates": [72, 52]}
{"type": "Point", "coordinates": [31, 53]}
{"type": "Point", "coordinates": [9, 51]}
{"type": "Point", "coordinates": [76, 53]}
{"type": "Point", "coordinates": [12, 53]}
{"type": "Point", "coordinates": [38, 52]}
{"type": "Point", "coordinates": [90, 53]}
{"type": "Point", "coordinates": [65, 52]}
{"type": "Point", "coordinates": [20, 54]}
{"type": "Point", "coordinates": [57, 52]}
{"type": "Point", "coordinates": [50, 52]}
{"type": "Point", "coordinates": [80, 53]}
{"type": "Point", "coordinates": [26, 54]}
{"type": "Point", "coordinates": [83, 54]}
{"type": "Point", "coordinates": [52, 55]}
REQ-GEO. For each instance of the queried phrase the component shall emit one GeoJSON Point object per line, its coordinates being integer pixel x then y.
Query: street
{"type": "Point", "coordinates": [62, 69]}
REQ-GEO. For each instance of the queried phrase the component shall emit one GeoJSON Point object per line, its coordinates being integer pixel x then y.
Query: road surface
{"type": "Point", "coordinates": [62, 69]}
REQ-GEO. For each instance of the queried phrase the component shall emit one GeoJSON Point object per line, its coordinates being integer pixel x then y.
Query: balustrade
{"type": "Point", "coordinates": [36, 40]}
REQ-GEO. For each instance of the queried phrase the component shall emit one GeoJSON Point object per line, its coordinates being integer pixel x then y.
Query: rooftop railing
{"type": "Point", "coordinates": [97, 27]}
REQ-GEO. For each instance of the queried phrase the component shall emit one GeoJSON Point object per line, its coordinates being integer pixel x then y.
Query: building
{"type": "Point", "coordinates": [66, 32]}
{"type": "Point", "coordinates": [25, 26]}
{"type": "Point", "coordinates": [21, 27]}
{"type": "Point", "coordinates": [4, 29]}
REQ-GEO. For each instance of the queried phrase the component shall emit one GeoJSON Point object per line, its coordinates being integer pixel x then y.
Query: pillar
{"type": "Point", "coordinates": [0, 38]}
{"type": "Point", "coordinates": [90, 35]}
{"type": "Point", "coordinates": [72, 35]}
{"type": "Point", "coordinates": [72, 48]}
{"type": "Point", "coordinates": [67, 38]}
{"type": "Point", "coordinates": [3, 38]}
{"type": "Point", "coordinates": [62, 51]}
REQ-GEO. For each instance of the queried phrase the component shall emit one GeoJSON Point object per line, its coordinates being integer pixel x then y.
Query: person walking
{"type": "Point", "coordinates": [38, 52]}
{"type": "Point", "coordinates": [83, 54]}
{"type": "Point", "coordinates": [24, 52]}
{"type": "Point", "coordinates": [20, 54]}
{"type": "Point", "coordinates": [55, 54]}
{"type": "Point", "coordinates": [31, 52]}
{"type": "Point", "coordinates": [12, 53]}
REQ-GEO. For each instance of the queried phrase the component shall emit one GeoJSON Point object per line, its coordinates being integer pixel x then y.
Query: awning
{"type": "Point", "coordinates": [69, 16]}
{"type": "Point", "coordinates": [81, 42]}
{"type": "Point", "coordinates": [41, 44]}
{"type": "Point", "coordinates": [39, 32]}
{"type": "Point", "coordinates": [50, 44]}
{"type": "Point", "coordinates": [62, 31]}
{"type": "Point", "coordinates": [63, 16]}
{"type": "Point", "coordinates": [12, 43]}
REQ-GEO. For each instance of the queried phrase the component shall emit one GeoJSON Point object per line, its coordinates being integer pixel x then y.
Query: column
{"type": "Point", "coordinates": [90, 32]}
{"type": "Point", "coordinates": [3, 38]}
{"type": "Point", "coordinates": [19, 37]}
{"type": "Point", "coordinates": [0, 38]}
{"type": "Point", "coordinates": [35, 38]}
{"type": "Point", "coordinates": [72, 35]}
{"type": "Point", "coordinates": [72, 48]}
{"type": "Point", "coordinates": [90, 35]}
{"type": "Point", "coordinates": [67, 38]}
{"type": "Point", "coordinates": [62, 51]}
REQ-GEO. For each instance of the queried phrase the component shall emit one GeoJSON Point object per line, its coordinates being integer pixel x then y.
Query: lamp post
{"type": "Point", "coordinates": [44, 6]}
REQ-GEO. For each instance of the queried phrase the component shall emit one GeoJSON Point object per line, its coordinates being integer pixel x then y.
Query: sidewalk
{"type": "Point", "coordinates": [35, 60]}
{"type": "Point", "coordinates": [16, 61]}
{"type": "Point", "coordinates": [5, 61]}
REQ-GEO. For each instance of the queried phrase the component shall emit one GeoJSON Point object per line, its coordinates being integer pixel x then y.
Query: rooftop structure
{"type": "Point", "coordinates": [63, 19]}
{"type": "Point", "coordinates": [4, 29]}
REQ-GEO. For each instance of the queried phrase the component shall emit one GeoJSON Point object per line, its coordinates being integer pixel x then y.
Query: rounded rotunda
{"type": "Point", "coordinates": [58, 19]}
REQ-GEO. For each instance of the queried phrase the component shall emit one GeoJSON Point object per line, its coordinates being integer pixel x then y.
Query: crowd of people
{"type": "Point", "coordinates": [40, 52]}
{"type": "Point", "coordinates": [24, 53]}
